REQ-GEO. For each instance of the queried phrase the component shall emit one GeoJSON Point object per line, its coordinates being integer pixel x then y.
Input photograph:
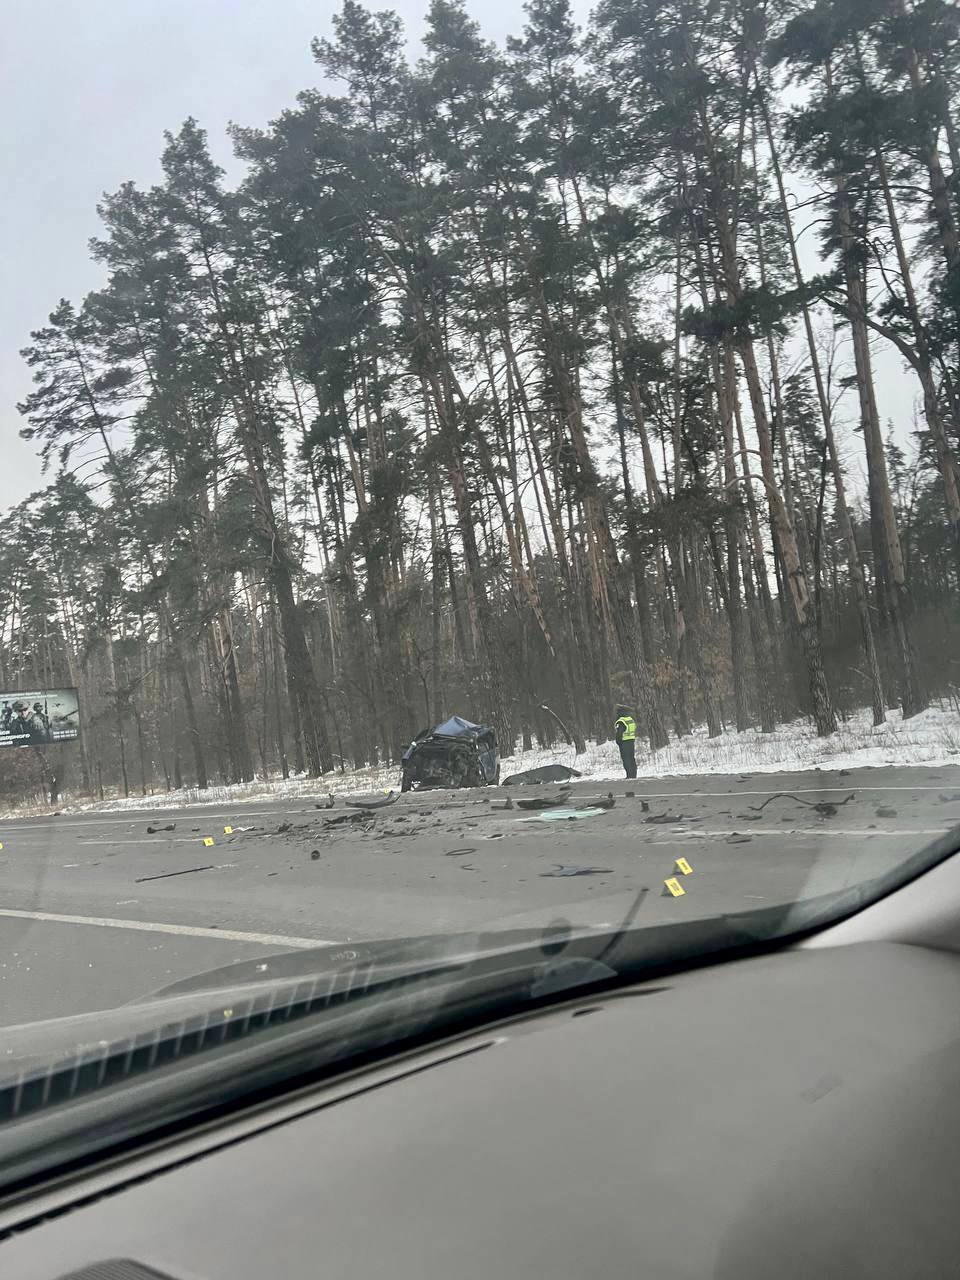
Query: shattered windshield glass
{"type": "Point", "coordinates": [477, 471]}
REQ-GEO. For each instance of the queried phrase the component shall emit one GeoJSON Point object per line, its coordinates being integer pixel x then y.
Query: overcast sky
{"type": "Point", "coordinates": [87, 88]}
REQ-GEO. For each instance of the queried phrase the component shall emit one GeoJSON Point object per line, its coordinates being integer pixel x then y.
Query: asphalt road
{"type": "Point", "coordinates": [96, 910]}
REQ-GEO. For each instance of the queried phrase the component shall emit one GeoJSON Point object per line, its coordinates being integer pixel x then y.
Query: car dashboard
{"type": "Point", "coordinates": [791, 1115]}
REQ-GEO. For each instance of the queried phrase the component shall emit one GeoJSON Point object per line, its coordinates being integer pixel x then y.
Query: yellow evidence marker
{"type": "Point", "coordinates": [208, 841]}
{"type": "Point", "coordinates": [683, 866]}
{"type": "Point", "coordinates": [674, 887]}
{"type": "Point", "coordinates": [228, 831]}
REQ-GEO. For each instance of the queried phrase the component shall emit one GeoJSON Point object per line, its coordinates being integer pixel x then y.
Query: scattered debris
{"type": "Point", "coordinates": [561, 870]}
{"type": "Point", "coordinates": [564, 815]}
{"type": "Point", "coordinates": [843, 773]}
{"type": "Point", "coordinates": [948, 799]}
{"type": "Point", "coordinates": [644, 807]}
{"type": "Point", "coordinates": [502, 808]}
{"type": "Point", "coordinates": [544, 802]}
{"type": "Point", "coordinates": [662, 819]}
{"type": "Point", "coordinates": [168, 874]}
{"type": "Point", "coordinates": [749, 817]}
{"type": "Point", "coordinates": [736, 838]}
{"type": "Point", "coordinates": [314, 855]}
{"type": "Point", "coordinates": [327, 804]}
{"type": "Point", "coordinates": [390, 798]}
{"type": "Point", "coordinates": [886, 812]}
{"type": "Point", "coordinates": [546, 773]}
{"type": "Point", "coordinates": [825, 808]}
{"type": "Point", "coordinates": [152, 831]}
{"type": "Point", "coordinates": [608, 803]}
{"type": "Point", "coordinates": [357, 815]}
{"type": "Point", "coordinates": [456, 853]}
{"type": "Point", "coordinates": [495, 835]}
{"type": "Point", "coordinates": [284, 827]}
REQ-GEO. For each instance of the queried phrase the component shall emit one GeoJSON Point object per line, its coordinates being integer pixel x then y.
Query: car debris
{"type": "Point", "coordinates": [390, 798]}
{"type": "Point", "coordinates": [167, 875]}
{"type": "Point", "coordinates": [355, 815]}
{"type": "Point", "coordinates": [544, 802]}
{"type": "Point", "coordinates": [545, 773]}
{"type": "Point", "coordinates": [825, 808]}
{"type": "Point", "coordinates": [565, 815]}
{"type": "Point", "coordinates": [561, 870]}
{"type": "Point", "coordinates": [152, 831]}
{"type": "Point", "coordinates": [452, 755]}
{"type": "Point", "coordinates": [327, 804]}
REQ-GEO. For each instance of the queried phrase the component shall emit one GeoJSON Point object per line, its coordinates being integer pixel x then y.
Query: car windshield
{"type": "Point", "coordinates": [469, 474]}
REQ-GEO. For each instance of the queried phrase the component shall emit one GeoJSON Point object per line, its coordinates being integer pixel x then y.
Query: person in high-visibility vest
{"type": "Point", "coordinates": [626, 734]}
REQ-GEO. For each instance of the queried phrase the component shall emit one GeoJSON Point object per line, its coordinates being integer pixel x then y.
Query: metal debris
{"type": "Point", "coordinates": [390, 798]}
{"type": "Point", "coordinates": [825, 808]}
{"type": "Point", "coordinates": [168, 874]}
{"type": "Point", "coordinates": [886, 812]}
{"type": "Point", "coordinates": [546, 773]}
{"type": "Point", "coordinates": [545, 802]}
{"type": "Point", "coordinates": [561, 870]}
{"type": "Point", "coordinates": [357, 815]}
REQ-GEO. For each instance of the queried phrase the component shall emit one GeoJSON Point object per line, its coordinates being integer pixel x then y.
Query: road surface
{"type": "Point", "coordinates": [99, 909]}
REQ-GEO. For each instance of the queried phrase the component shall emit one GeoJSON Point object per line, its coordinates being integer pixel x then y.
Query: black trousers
{"type": "Point", "coordinates": [628, 754]}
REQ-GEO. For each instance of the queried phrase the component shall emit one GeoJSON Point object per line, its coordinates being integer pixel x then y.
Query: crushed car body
{"type": "Point", "coordinates": [455, 754]}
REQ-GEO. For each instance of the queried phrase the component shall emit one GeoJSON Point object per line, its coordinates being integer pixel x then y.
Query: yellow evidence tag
{"type": "Point", "coordinates": [674, 887]}
{"type": "Point", "coordinates": [683, 866]}
{"type": "Point", "coordinates": [208, 841]}
{"type": "Point", "coordinates": [228, 831]}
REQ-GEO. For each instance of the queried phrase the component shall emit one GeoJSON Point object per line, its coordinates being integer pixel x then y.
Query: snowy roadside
{"type": "Point", "coordinates": [932, 738]}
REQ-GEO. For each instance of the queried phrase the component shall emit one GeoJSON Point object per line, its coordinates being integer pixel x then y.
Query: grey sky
{"type": "Point", "coordinates": [86, 91]}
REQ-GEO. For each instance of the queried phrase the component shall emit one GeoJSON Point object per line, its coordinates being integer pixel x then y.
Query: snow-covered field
{"type": "Point", "coordinates": [932, 738]}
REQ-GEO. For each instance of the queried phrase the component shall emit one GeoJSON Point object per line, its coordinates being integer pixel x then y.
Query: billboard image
{"type": "Point", "coordinates": [39, 717]}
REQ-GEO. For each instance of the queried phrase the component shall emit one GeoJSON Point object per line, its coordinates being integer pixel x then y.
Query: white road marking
{"type": "Point", "coordinates": [794, 791]}
{"type": "Point", "coordinates": [151, 815]}
{"type": "Point", "coordinates": [820, 832]}
{"type": "Point", "coordinates": [170, 840]}
{"type": "Point", "coordinates": [180, 930]}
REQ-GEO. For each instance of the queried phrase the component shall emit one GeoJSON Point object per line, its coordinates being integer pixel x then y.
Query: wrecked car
{"type": "Point", "coordinates": [456, 753]}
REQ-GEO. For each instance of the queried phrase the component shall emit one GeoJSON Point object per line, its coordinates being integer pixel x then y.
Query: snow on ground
{"type": "Point", "coordinates": [932, 738]}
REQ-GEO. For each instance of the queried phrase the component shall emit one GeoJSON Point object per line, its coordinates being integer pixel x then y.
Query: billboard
{"type": "Point", "coordinates": [39, 717]}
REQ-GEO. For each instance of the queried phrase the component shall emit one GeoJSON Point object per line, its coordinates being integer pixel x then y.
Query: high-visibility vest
{"type": "Point", "coordinates": [629, 728]}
